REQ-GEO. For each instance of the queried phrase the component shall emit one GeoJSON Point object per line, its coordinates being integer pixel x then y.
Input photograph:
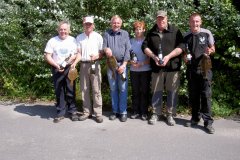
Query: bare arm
{"type": "Point", "coordinates": [148, 52]}
{"type": "Point", "coordinates": [176, 52]}
{"type": "Point", "coordinates": [77, 59]}
{"type": "Point", "coordinates": [108, 52]}
{"type": "Point", "coordinates": [49, 59]}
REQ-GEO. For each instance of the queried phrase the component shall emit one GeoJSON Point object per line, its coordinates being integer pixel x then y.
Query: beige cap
{"type": "Point", "coordinates": [161, 13]}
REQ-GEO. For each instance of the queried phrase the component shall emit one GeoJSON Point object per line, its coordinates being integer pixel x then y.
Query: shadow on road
{"type": "Point", "coordinates": [43, 111]}
{"type": "Point", "coordinates": [183, 122]}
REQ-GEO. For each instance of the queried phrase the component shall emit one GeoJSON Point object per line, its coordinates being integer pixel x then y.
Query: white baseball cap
{"type": "Point", "coordinates": [88, 19]}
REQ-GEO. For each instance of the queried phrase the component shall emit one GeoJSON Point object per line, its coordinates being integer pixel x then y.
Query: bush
{"type": "Point", "coordinates": [27, 25]}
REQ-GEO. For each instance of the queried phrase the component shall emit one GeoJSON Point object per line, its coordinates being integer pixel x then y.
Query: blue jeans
{"type": "Point", "coordinates": [119, 91]}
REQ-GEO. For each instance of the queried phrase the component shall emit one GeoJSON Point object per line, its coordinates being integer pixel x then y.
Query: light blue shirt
{"type": "Point", "coordinates": [136, 47]}
{"type": "Point", "coordinates": [119, 43]}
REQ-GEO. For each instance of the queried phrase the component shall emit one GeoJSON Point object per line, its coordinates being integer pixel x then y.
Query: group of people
{"type": "Point", "coordinates": [155, 61]}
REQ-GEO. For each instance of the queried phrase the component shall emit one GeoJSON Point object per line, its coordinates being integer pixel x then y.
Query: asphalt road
{"type": "Point", "coordinates": [27, 132]}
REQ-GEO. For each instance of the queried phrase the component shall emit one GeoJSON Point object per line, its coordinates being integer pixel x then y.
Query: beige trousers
{"type": "Point", "coordinates": [90, 87]}
{"type": "Point", "coordinates": [169, 81]}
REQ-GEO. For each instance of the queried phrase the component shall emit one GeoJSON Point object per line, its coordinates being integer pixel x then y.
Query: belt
{"type": "Point", "coordinates": [86, 61]}
{"type": "Point", "coordinates": [121, 61]}
{"type": "Point", "coordinates": [89, 61]}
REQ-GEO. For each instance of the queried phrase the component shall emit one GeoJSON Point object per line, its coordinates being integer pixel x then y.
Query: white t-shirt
{"type": "Point", "coordinates": [89, 45]}
{"type": "Point", "coordinates": [61, 49]}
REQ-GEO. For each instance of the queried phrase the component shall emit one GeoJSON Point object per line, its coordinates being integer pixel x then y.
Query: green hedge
{"type": "Point", "coordinates": [27, 25]}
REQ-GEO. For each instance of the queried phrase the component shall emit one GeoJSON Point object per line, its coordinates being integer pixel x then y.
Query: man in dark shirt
{"type": "Point", "coordinates": [163, 44]}
{"type": "Point", "coordinates": [200, 43]}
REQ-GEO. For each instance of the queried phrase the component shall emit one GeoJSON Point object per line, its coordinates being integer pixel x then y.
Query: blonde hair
{"type": "Point", "coordinates": [64, 22]}
{"type": "Point", "coordinates": [116, 17]}
{"type": "Point", "coordinates": [195, 15]}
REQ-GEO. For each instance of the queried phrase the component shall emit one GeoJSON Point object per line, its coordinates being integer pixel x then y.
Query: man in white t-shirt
{"type": "Point", "coordinates": [60, 53]}
{"type": "Point", "coordinates": [89, 45]}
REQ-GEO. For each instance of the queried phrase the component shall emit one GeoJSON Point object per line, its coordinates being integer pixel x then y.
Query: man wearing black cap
{"type": "Point", "coordinates": [163, 44]}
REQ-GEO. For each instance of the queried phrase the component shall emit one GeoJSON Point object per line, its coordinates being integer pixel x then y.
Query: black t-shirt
{"type": "Point", "coordinates": [197, 44]}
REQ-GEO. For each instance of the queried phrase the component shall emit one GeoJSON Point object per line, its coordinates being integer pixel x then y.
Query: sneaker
{"type": "Point", "coordinates": [191, 123]}
{"type": "Point", "coordinates": [170, 121]}
{"type": "Point", "coordinates": [144, 117]}
{"type": "Point", "coordinates": [134, 116]}
{"type": "Point", "coordinates": [113, 116]}
{"type": "Point", "coordinates": [209, 129]}
{"type": "Point", "coordinates": [99, 119]}
{"type": "Point", "coordinates": [83, 117]}
{"type": "Point", "coordinates": [123, 117]}
{"type": "Point", "coordinates": [153, 119]}
{"type": "Point", "coordinates": [74, 117]}
{"type": "Point", "coordinates": [58, 119]}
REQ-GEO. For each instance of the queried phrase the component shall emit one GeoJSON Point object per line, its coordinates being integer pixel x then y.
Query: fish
{"type": "Point", "coordinates": [206, 65]}
{"type": "Point", "coordinates": [113, 66]}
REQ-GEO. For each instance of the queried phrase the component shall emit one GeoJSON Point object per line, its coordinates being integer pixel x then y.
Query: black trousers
{"type": "Point", "coordinates": [200, 95]}
{"type": "Point", "coordinates": [140, 82]}
{"type": "Point", "coordinates": [65, 93]}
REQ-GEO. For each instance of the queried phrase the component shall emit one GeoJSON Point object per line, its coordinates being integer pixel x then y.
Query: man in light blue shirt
{"type": "Point", "coordinates": [116, 43]}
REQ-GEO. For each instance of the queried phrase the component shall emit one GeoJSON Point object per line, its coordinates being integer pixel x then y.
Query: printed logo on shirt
{"type": "Point", "coordinates": [63, 51]}
{"type": "Point", "coordinates": [202, 40]}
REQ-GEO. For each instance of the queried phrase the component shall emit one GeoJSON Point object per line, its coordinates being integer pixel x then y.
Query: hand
{"type": "Point", "coordinates": [93, 57]}
{"type": "Point", "coordinates": [156, 59]}
{"type": "Point", "coordinates": [133, 62]}
{"type": "Point", "coordinates": [165, 60]}
{"type": "Point", "coordinates": [121, 69]}
{"type": "Point", "coordinates": [208, 51]}
{"type": "Point", "coordinates": [59, 69]}
{"type": "Point", "coordinates": [108, 52]}
{"type": "Point", "coordinates": [73, 66]}
{"type": "Point", "coordinates": [136, 64]}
